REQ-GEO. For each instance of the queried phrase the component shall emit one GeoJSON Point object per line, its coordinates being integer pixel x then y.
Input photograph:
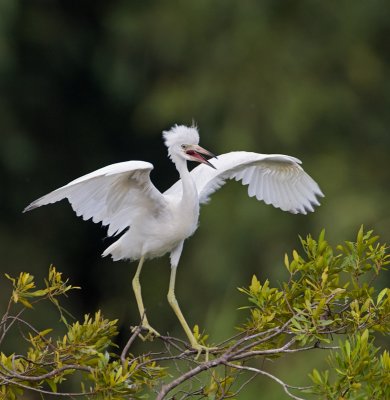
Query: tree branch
{"type": "Point", "coordinates": [13, 374]}
{"type": "Point", "coordinates": [273, 377]}
{"type": "Point", "coordinates": [125, 350]}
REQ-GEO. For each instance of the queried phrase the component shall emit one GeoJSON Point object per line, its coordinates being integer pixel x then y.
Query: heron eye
{"type": "Point", "coordinates": [183, 146]}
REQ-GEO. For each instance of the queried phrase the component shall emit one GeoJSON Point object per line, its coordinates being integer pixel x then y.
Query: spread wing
{"type": "Point", "coordinates": [275, 178]}
{"type": "Point", "coordinates": [114, 195]}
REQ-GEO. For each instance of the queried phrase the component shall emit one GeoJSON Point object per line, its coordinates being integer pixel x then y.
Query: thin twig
{"type": "Point", "coordinates": [172, 341]}
{"type": "Point", "coordinates": [189, 374]}
{"type": "Point", "coordinates": [236, 336]}
{"type": "Point", "coordinates": [252, 353]}
{"type": "Point", "coordinates": [233, 395]}
{"type": "Point", "coordinates": [13, 374]}
{"type": "Point", "coordinates": [16, 318]}
{"type": "Point", "coordinates": [7, 328]}
{"type": "Point", "coordinates": [276, 331]}
{"type": "Point", "coordinates": [260, 371]}
{"type": "Point", "coordinates": [125, 350]}
{"type": "Point", "coordinates": [42, 391]}
{"type": "Point", "coordinates": [4, 319]}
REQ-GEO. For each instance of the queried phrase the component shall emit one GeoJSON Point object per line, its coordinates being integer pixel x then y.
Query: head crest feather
{"type": "Point", "coordinates": [181, 134]}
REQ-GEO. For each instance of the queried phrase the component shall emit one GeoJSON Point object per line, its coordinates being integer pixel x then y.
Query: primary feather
{"type": "Point", "coordinates": [274, 178]}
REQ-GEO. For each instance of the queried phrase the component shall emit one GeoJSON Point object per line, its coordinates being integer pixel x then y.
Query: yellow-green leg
{"type": "Point", "coordinates": [140, 303]}
{"type": "Point", "coordinates": [175, 306]}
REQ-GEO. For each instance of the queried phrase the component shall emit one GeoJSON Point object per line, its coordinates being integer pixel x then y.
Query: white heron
{"type": "Point", "coordinates": [122, 197]}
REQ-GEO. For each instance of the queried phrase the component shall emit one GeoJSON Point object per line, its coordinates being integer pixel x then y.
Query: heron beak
{"type": "Point", "coordinates": [196, 154]}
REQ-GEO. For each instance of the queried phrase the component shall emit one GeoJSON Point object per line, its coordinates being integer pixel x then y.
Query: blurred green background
{"type": "Point", "coordinates": [88, 83]}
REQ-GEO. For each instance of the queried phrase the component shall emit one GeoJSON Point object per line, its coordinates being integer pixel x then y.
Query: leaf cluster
{"type": "Point", "coordinates": [83, 352]}
{"type": "Point", "coordinates": [330, 304]}
{"type": "Point", "coordinates": [331, 292]}
{"type": "Point", "coordinates": [359, 372]}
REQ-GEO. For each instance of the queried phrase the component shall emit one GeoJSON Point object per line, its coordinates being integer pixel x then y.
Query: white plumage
{"type": "Point", "coordinates": [122, 196]}
{"type": "Point", "coordinates": [274, 178]}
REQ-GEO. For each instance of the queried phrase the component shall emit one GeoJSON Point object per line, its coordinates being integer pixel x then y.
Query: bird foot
{"type": "Point", "coordinates": [151, 333]}
{"type": "Point", "coordinates": [202, 349]}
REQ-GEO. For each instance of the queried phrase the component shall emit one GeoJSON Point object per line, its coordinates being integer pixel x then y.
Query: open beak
{"type": "Point", "coordinates": [196, 153]}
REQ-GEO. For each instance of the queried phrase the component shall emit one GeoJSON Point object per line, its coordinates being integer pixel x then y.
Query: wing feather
{"type": "Point", "coordinates": [251, 177]}
{"type": "Point", "coordinates": [275, 188]}
{"type": "Point", "coordinates": [260, 187]}
{"type": "Point", "coordinates": [267, 191]}
{"type": "Point", "coordinates": [114, 195]}
{"type": "Point", "coordinates": [275, 178]}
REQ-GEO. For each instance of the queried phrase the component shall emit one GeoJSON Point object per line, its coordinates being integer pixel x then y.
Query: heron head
{"type": "Point", "coordinates": [182, 142]}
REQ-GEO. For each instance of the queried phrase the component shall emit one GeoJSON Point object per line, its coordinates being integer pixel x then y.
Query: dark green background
{"type": "Point", "coordinates": [84, 84]}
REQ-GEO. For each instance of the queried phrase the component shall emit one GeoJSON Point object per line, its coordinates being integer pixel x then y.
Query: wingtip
{"type": "Point", "coordinates": [28, 208]}
{"type": "Point", "coordinates": [31, 206]}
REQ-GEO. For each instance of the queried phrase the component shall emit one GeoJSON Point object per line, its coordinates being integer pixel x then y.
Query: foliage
{"type": "Point", "coordinates": [331, 294]}
{"type": "Point", "coordinates": [329, 304]}
{"type": "Point", "coordinates": [84, 351]}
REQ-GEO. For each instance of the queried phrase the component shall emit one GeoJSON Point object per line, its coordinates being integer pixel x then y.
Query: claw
{"type": "Point", "coordinates": [202, 349]}
{"type": "Point", "coordinates": [151, 332]}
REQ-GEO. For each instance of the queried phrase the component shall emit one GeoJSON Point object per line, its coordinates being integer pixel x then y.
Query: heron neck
{"type": "Point", "coordinates": [190, 193]}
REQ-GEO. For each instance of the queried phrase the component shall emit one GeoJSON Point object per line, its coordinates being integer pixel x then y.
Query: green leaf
{"type": "Point", "coordinates": [255, 285]}
{"type": "Point", "coordinates": [382, 294]}
{"type": "Point", "coordinates": [316, 377]}
{"type": "Point", "coordinates": [347, 347]}
{"type": "Point", "coordinates": [39, 293]}
{"type": "Point", "coordinates": [286, 262]}
{"type": "Point", "coordinates": [52, 384]}
{"type": "Point", "coordinates": [25, 302]}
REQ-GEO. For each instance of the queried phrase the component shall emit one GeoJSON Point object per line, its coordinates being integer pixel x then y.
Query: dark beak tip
{"type": "Point", "coordinates": [211, 165]}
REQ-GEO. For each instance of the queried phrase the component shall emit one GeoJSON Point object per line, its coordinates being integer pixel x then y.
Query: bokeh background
{"type": "Point", "coordinates": [88, 83]}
